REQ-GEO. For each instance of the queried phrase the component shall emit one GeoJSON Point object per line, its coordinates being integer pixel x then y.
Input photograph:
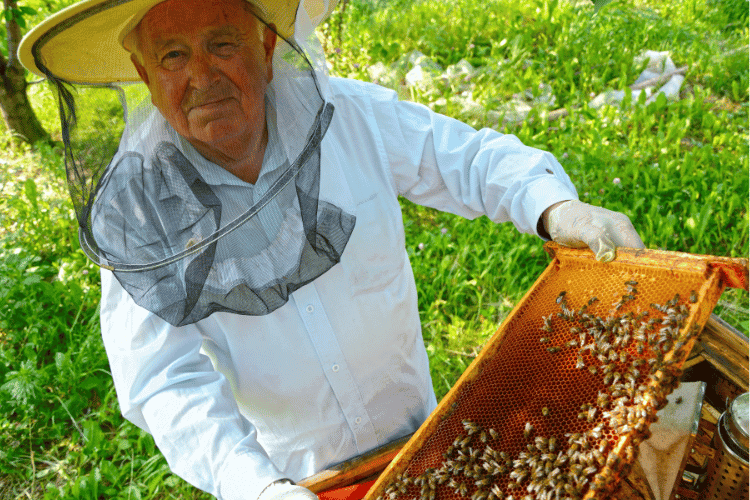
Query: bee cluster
{"type": "Point", "coordinates": [636, 358]}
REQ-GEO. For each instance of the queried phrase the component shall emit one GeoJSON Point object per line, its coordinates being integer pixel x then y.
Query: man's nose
{"type": "Point", "coordinates": [202, 71]}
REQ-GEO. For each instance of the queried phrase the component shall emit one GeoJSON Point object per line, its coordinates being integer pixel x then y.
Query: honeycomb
{"type": "Point", "coordinates": [557, 402]}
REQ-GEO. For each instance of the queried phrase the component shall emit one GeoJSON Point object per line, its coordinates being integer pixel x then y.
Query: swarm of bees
{"type": "Point", "coordinates": [568, 465]}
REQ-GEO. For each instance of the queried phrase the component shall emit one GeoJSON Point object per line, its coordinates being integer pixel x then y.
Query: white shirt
{"type": "Point", "coordinates": [237, 402]}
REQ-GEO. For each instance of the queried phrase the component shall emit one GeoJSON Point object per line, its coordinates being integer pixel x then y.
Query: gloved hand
{"type": "Point", "coordinates": [576, 224]}
{"type": "Point", "coordinates": [286, 490]}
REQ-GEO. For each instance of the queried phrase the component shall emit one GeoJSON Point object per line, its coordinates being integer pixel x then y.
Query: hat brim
{"type": "Point", "coordinates": [83, 43]}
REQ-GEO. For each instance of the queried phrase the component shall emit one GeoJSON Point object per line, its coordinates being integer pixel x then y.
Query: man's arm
{"type": "Point", "coordinates": [443, 163]}
{"type": "Point", "coordinates": [169, 389]}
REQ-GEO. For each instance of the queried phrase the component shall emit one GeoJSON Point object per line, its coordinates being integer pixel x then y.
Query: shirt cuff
{"type": "Point", "coordinates": [245, 476]}
{"type": "Point", "coordinates": [542, 194]}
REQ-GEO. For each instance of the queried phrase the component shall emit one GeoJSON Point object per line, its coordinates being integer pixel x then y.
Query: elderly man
{"type": "Point", "coordinates": [261, 317]}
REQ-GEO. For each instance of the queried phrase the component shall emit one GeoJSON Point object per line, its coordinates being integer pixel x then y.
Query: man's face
{"type": "Point", "coordinates": [207, 64]}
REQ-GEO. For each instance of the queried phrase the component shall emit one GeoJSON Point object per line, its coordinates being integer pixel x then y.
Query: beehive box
{"type": "Point", "coordinates": [560, 397]}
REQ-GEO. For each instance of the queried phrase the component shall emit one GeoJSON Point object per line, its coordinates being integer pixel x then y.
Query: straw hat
{"type": "Point", "coordinates": [83, 43]}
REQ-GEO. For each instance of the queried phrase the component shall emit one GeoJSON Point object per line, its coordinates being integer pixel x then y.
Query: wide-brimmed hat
{"type": "Point", "coordinates": [83, 43]}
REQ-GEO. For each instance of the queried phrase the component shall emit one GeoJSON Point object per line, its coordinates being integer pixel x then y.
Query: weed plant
{"type": "Point", "coordinates": [679, 169]}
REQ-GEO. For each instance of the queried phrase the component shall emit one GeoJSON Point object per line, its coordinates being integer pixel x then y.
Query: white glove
{"type": "Point", "coordinates": [286, 490]}
{"type": "Point", "coordinates": [578, 225]}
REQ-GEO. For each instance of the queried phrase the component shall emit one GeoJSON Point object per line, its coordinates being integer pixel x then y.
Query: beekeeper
{"type": "Point", "coordinates": [258, 307]}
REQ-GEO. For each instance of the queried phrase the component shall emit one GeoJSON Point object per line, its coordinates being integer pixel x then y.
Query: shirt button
{"type": "Point", "coordinates": [358, 420]}
{"type": "Point", "coordinates": [309, 308]}
{"type": "Point", "coordinates": [335, 368]}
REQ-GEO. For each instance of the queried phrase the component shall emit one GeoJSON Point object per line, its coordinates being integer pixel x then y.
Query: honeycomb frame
{"type": "Point", "coordinates": [528, 396]}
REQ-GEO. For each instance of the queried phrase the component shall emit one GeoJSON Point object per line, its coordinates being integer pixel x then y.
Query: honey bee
{"type": "Point", "coordinates": [483, 436]}
{"type": "Point", "coordinates": [470, 427]}
{"type": "Point", "coordinates": [462, 489]}
{"type": "Point", "coordinates": [544, 340]}
{"type": "Point", "coordinates": [596, 432]}
{"type": "Point", "coordinates": [613, 460]}
{"type": "Point", "coordinates": [547, 324]}
{"type": "Point", "coordinates": [553, 349]}
{"type": "Point", "coordinates": [493, 434]}
{"type": "Point", "coordinates": [518, 475]}
{"type": "Point", "coordinates": [603, 445]}
{"type": "Point", "coordinates": [693, 297]}
{"type": "Point", "coordinates": [592, 369]}
{"type": "Point", "coordinates": [602, 399]}
{"type": "Point", "coordinates": [591, 415]}
{"type": "Point", "coordinates": [528, 430]}
{"type": "Point", "coordinates": [590, 470]}
{"type": "Point", "coordinates": [598, 457]}
{"type": "Point", "coordinates": [560, 297]}
{"type": "Point", "coordinates": [552, 443]}
{"type": "Point", "coordinates": [484, 482]}
{"type": "Point", "coordinates": [545, 411]}
{"type": "Point", "coordinates": [497, 491]}
{"type": "Point", "coordinates": [572, 343]}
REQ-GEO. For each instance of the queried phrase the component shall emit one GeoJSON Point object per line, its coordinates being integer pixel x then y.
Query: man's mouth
{"type": "Point", "coordinates": [214, 103]}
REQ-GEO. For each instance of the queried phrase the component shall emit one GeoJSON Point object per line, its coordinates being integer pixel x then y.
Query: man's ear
{"type": "Point", "coordinates": [139, 68]}
{"type": "Point", "coordinates": [269, 44]}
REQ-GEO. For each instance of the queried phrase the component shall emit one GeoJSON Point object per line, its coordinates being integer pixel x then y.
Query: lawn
{"type": "Point", "coordinates": [677, 167]}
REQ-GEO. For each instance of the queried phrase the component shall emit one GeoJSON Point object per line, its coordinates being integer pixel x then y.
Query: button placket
{"type": "Point", "coordinates": [333, 362]}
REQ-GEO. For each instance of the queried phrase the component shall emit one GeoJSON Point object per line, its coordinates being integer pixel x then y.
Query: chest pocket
{"type": "Point", "coordinates": [374, 256]}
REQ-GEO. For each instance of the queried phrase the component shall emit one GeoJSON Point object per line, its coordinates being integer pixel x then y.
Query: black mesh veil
{"type": "Point", "coordinates": [184, 236]}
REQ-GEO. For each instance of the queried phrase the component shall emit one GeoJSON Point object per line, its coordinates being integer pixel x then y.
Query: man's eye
{"type": "Point", "coordinates": [224, 48]}
{"type": "Point", "coordinates": [173, 60]}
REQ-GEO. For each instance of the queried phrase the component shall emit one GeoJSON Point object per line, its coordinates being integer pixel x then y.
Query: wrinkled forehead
{"type": "Point", "coordinates": [174, 18]}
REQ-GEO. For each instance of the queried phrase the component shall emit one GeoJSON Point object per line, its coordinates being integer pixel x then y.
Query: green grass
{"type": "Point", "coordinates": [683, 179]}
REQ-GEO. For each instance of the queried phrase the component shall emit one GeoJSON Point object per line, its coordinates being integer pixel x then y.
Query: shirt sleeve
{"type": "Point", "coordinates": [440, 162]}
{"type": "Point", "coordinates": [167, 387]}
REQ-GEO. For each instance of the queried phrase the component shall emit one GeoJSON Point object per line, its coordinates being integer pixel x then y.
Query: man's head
{"type": "Point", "coordinates": [207, 64]}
